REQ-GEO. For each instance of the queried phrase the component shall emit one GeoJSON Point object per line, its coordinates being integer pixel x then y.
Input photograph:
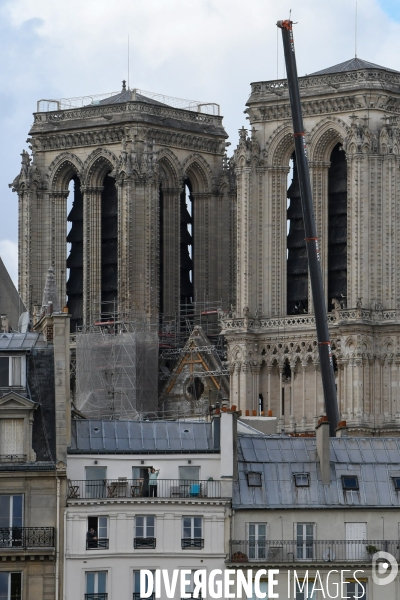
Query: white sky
{"type": "Point", "coordinates": [198, 49]}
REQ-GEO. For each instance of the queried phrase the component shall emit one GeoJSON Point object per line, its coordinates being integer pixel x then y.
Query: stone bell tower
{"type": "Point", "coordinates": [152, 221]}
{"type": "Point", "coordinates": [352, 120]}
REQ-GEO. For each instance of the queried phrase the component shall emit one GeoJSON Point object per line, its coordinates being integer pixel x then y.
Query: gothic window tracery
{"type": "Point", "coordinates": [297, 262]}
{"type": "Point", "coordinates": [109, 244]}
{"type": "Point", "coordinates": [75, 255]}
{"type": "Point", "coordinates": [337, 228]}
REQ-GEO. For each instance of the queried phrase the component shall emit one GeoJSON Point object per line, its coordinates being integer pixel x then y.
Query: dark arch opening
{"type": "Point", "coordinates": [109, 245]}
{"type": "Point", "coordinates": [337, 227]}
{"type": "Point", "coordinates": [297, 262]}
{"type": "Point", "coordinates": [75, 256]}
{"type": "Point", "coordinates": [186, 246]}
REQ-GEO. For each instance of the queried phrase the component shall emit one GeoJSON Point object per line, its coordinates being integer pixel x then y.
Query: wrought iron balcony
{"type": "Point", "coordinates": [143, 543]}
{"type": "Point", "coordinates": [278, 551]}
{"type": "Point", "coordinates": [139, 488]}
{"type": "Point", "coordinates": [26, 537]}
{"type": "Point", "coordinates": [192, 543]}
{"type": "Point", "coordinates": [101, 544]}
{"type": "Point", "coordinates": [98, 596]}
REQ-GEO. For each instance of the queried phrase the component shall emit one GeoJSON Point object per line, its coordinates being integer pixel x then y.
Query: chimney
{"type": "Point", "coordinates": [323, 449]}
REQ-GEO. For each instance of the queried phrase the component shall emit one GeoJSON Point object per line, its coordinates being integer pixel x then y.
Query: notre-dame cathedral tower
{"type": "Point", "coordinates": [151, 223]}
{"type": "Point", "coordinates": [351, 115]}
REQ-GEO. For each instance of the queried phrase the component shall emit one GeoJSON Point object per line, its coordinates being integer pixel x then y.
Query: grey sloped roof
{"type": "Point", "coordinates": [354, 64]}
{"type": "Point", "coordinates": [12, 342]}
{"type": "Point", "coordinates": [374, 460]}
{"type": "Point", "coordinates": [127, 95]}
{"type": "Point", "coordinates": [138, 437]}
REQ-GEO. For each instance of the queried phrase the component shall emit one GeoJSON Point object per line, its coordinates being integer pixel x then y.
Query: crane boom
{"type": "Point", "coordinates": [314, 260]}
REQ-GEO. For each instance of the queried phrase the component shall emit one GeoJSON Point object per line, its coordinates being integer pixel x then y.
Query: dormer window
{"type": "Point", "coordinates": [254, 479]}
{"type": "Point", "coordinates": [350, 482]}
{"type": "Point", "coordinates": [12, 371]}
{"type": "Point", "coordinates": [302, 479]}
{"type": "Point", "coordinates": [396, 482]}
{"type": "Point", "coordinates": [16, 420]}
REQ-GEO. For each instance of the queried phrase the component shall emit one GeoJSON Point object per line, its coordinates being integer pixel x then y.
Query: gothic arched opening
{"type": "Point", "coordinates": [297, 262]}
{"type": "Point", "coordinates": [186, 247]}
{"type": "Point", "coordinates": [337, 227]}
{"type": "Point", "coordinates": [109, 245]}
{"type": "Point", "coordinates": [75, 256]}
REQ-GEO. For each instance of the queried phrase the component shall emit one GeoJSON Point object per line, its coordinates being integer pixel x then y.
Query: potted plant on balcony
{"type": "Point", "coordinates": [371, 549]}
{"type": "Point", "coordinates": [239, 557]}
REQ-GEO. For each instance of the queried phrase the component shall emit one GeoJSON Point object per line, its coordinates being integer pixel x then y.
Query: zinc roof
{"type": "Point", "coordinates": [140, 437]}
{"type": "Point", "coordinates": [375, 461]}
{"type": "Point", "coordinates": [354, 64]}
{"type": "Point", "coordinates": [20, 341]}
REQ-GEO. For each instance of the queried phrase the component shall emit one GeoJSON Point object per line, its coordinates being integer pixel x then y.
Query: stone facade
{"type": "Point", "coordinates": [137, 164]}
{"type": "Point", "coordinates": [274, 353]}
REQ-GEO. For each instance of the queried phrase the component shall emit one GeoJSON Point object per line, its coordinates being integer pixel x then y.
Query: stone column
{"type": "Point", "coordinates": [292, 419]}
{"type": "Point", "coordinates": [390, 411]}
{"type": "Point", "coordinates": [59, 242]}
{"type": "Point", "coordinates": [304, 417]}
{"type": "Point", "coordinates": [255, 370]}
{"type": "Point", "coordinates": [124, 194]}
{"type": "Point", "coordinates": [316, 370]}
{"type": "Point", "coordinates": [171, 250]}
{"type": "Point", "coordinates": [269, 371]}
{"type": "Point", "coordinates": [91, 253]}
{"type": "Point", "coordinates": [281, 420]}
{"type": "Point", "coordinates": [397, 362]}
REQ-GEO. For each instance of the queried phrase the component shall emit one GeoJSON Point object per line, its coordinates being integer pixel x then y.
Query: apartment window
{"type": "Point", "coordinates": [304, 540]}
{"type": "Point", "coordinates": [254, 479]}
{"type": "Point", "coordinates": [263, 589]}
{"type": "Point", "coordinates": [189, 473]}
{"type": "Point", "coordinates": [356, 534]}
{"type": "Point", "coordinates": [12, 438]}
{"type": "Point", "coordinates": [11, 521]}
{"type": "Point", "coordinates": [192, 529]}
{"type": "Point", "coordinates": [190, 585]}
{"type": "Point", "coordinates": [144, 532]}
{"type": "Point", "coordinates": [10, 586]}
{"type": "Point", "coordinates": [257, 536]}
{"type": "Point", "coordinates": [96, 585]}
{"type": "Point", "coordinates": [350, 482]}
{"type": "Point", "coordinates": [356, 591]}
{"type": "Point", "coordinates": [96, 482]}
{"type": "Point", "coordinates": [97, 533]}
{"type": "Point", "coordinates": [12, 371]}
{"type": "Point", "coordinates": [137, 593]}
{"type": "Point", "coordinates": [304, 590]}
{"type": "Point", "coordinates": [302, 479]}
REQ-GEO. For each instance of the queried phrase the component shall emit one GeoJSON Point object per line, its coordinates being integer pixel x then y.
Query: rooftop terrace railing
{"type": "Point", "coordinates": [139, 488]}
{"type": "Point", "coordinates": [325, 551]}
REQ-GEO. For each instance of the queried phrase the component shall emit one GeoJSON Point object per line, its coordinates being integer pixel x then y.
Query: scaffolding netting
{"type": "Point", "coordinates": [116, 373]}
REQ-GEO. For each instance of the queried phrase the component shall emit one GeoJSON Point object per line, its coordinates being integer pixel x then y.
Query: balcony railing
{"type": "Point", "coordinates": [139, 488]}
{"type": "Point", "coordinates": [276, 551]}
{"type": "Point", "coordinates": [26, 537]}
{"type": "Point", "coordinates": [143, 543]}
{"type": "Point", "coordinates": [101, 544]}
{"type": "Point", "coordinates": [98, 596]}
{"type": "Point", "coordinates": [137, 596]}
{"type": "Point", "coordinates": [192, 543]}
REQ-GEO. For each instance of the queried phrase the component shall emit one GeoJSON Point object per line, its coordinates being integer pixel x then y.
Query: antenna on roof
{"type": "Point", "coordinates": [128, 62]}
{"type": "Point", "coordinates": [355, 34]}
